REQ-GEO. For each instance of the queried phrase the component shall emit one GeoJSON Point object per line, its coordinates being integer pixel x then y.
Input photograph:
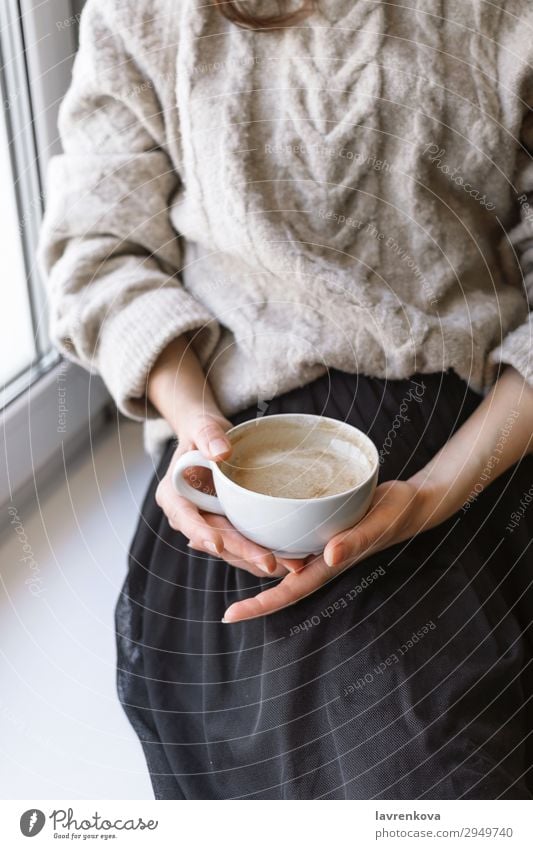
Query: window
{"type": "Point", "coordinates": [46, 404]}
{"type": "Point", "coordinates": [23, 323]}
{"type": "Point", "coordinates": [17, 348]}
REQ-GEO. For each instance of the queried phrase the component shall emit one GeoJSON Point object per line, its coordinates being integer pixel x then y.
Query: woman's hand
{"type": "Point", "coordinates": [399, 511]}
{"type": "Point", "coordinates": [210, 532]}
{"type": "Point", "coordinates": [179, 391]}
{"type": "Point", "coordinates": [498, 434]}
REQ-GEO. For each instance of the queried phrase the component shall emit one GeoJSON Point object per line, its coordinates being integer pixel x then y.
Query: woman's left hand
{"type": "Point", "coordinates": [497, 434]}
{"type": "Point", "coordinates": [399, 511]}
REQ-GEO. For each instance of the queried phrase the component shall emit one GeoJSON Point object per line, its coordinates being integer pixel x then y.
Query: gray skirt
{"type": "Point", "coordinates": [406, 677]}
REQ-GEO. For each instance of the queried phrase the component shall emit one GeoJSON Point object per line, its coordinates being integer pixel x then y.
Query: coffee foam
{"type": "Point", "coordinates": [291, 459]}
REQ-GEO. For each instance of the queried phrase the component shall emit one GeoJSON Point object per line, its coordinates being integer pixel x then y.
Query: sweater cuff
{"type": "Point", "coordinates": [130, 342]}
{"type": "Point", "coordinates": [517, 350]}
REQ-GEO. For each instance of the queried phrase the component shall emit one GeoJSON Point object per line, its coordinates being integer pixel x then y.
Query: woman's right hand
{"type": "Point", "coordinates": [179, 391]}
{"type": "Point", "coordinates": [210, 532]}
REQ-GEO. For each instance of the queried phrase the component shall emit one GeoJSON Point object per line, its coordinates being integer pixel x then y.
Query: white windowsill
{"type": "Point", "coordinates": [64, 733]}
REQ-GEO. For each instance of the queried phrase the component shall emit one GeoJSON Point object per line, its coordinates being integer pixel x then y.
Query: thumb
{"type": "Point", "coordinates": [358, 541]}
{"type": "Point", "coordinates": [210, 437]}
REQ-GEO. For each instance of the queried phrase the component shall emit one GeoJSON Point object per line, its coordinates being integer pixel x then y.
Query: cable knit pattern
{"type": "Point", "coordinates": [352, 192]}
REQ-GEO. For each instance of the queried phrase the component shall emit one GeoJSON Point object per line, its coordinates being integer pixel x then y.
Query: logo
{"type": "Point", "coordinates": [64, 824]}
{"type": "Point", "coordinates": [32, 822]}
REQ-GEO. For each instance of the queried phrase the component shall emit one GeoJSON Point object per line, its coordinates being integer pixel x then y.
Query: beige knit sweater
{"type": "Point", "coordinates": [350, 193]}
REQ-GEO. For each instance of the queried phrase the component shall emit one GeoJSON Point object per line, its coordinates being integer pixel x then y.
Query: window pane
{"type": "Point", "coordinates": [17, 347]}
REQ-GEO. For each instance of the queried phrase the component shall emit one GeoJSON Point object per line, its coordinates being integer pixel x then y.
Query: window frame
{"type": "Point", "coordinates": [37, 51]}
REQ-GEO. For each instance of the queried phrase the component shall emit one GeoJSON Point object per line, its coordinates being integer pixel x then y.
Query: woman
{"type": "Point", "coordinates": [317, 209]}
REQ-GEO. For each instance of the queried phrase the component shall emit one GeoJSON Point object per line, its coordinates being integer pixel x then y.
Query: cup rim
{"type": "Point", "coordinates": [262, 495]}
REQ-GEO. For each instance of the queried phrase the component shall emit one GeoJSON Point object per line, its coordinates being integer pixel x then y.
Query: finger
{"type": "Point", "coordinates": [291, 589]}
{"type": "Point", "coordinates": [240, 546]}
{"type": "Point", "coordinates": [369, 535]}
{"type": "Point", "coordinates": [292, 565]}
{"type": "Point", "coordinates": [252, 568]}
{"type": "Point", "coordinates": [183, 516]}
{"type": "Point", "coordinates": [250, 551]}
{"type": "Point", "coordinates": [200, 478]}
{"type": "Point", "coordinates": [210, 438]}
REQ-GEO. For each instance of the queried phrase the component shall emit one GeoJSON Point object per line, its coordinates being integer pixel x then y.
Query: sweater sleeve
{"type": "Point", "coordinates": [109, 253]}
{"type": "Point", "coordinates": [516, 348]}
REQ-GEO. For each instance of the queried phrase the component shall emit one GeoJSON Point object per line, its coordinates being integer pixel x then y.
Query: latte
{"type": "Point", "coordinates": [293, 460]}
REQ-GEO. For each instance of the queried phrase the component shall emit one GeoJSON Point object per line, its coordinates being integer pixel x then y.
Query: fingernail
{"type": "Point", "coordinates": [226, 619]}
{"type": "Point", "coordinates": [334, 556]}
{"type": "Point", "coordinates": [294, 569]}
{"type": "Point", "coordinates": [218, 446]}
{"type": "Point", "coordinates": [211, 546]}
{"type": "Point", "coordinates": [268, 564]}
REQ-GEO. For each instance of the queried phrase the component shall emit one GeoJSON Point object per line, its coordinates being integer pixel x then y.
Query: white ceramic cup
{"type": "Point", "coordinates": [290, 527]}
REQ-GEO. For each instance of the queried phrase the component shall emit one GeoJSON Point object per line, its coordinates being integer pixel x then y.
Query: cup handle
{"type": "Point", "coordinates": [210, 503]}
